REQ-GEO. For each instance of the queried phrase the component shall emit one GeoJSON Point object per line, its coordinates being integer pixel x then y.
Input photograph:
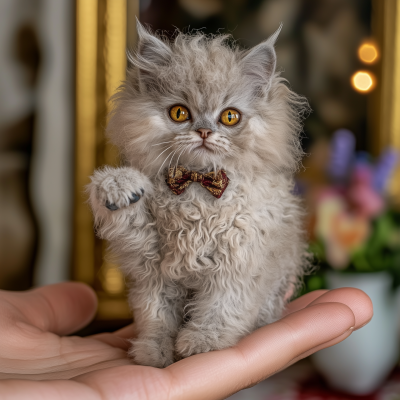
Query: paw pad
{"type": "Point", "coordinates": [112, 207]}
{"type": "Point", "coordinates": [133, 199]}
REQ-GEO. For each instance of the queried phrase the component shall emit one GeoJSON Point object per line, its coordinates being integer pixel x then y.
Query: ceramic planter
{"type": "Point", "coordinates": [359, 364]}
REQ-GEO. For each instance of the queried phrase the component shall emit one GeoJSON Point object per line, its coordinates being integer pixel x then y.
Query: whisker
{"type": "Point", "coordinates": [177, 161]}
{"type": "Point", "coordinates": [194, 158]}
{"type": "Point", "coordinates": [158, 144]}
{"type": "Point", "coordinates": [179, 147]}
{"type": "Point", "coordinates": [166, 158]}
{"type": "Point", "coordinates": [162, 153]}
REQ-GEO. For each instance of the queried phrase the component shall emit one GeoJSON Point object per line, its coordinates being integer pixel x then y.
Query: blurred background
{"type": "Point", "coordinates": [60, 61]}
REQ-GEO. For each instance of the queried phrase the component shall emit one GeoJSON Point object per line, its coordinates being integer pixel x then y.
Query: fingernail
{"type": "Point", "coordinates": [366, 323]}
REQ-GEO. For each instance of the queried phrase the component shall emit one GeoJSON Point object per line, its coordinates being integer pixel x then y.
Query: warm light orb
{"type": "Point", "coordinates": [363, 81]}
{"type": "Point", "coordinates": [368, 53]}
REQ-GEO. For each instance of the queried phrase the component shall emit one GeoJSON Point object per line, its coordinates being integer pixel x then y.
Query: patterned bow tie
{"type": "Point", "coordinates": [180, 178]}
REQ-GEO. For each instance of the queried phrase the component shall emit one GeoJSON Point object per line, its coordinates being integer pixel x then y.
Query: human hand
{"type": "Point", "coordinates": [38, 362]}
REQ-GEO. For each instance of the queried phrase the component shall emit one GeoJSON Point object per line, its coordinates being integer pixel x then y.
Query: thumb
{"type": "Point", "coordinates": [62, 308]}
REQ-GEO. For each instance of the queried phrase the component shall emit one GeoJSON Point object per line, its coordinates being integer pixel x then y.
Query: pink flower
{"type": "Point", "coordinates": [342, 232]}
{"type": "Point", "coordinates": [361, 193]}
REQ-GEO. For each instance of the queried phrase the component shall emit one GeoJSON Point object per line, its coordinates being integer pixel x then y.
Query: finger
{"type": "Point", "coordinates": [320, 347]}
{"type": "Point", "coordinates": [303, 301]}
{"type": "Point", "coordinates": [128, 332]}
{"type": "Point", "coordinates": [112, 340]}
{"type": "Point", "coordinates": [217, 374]}
{"type": "Point", "coordinates": [355, 299]}
{"type": "Point", "coordinates": [61, 308]}
{"type": "Point", "coordinates": [118, 338]}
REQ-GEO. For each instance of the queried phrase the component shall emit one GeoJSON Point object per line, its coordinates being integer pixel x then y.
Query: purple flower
{"type": "Point", "coordinates": [342, 153]}
{"type": "Point", "coordinates": [384, 168]}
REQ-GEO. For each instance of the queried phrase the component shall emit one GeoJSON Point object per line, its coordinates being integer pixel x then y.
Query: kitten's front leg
{"type": "Point", "coordinates": [158, 307]}
{"type": "Point", "coordinates": [118, 199]}
{"type": "Point", "coordinates": [220, 317]}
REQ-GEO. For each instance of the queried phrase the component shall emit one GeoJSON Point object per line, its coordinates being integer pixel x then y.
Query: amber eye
{"type": "Point", "coordinates": [230, 117]}
{"type": "Point", "coordinates": [179, 113]}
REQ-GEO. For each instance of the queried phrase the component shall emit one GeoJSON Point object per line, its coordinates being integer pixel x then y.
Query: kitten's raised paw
{"type": "Point", "coordinates": [191, 341]}
{"type": "Point", "coordinates": [153, 352]}
{"type": "Point", "coordinates": [116, 188]}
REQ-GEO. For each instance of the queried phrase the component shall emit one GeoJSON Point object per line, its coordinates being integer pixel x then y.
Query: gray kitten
{"type": "Point", "coordinates": [202, 218]}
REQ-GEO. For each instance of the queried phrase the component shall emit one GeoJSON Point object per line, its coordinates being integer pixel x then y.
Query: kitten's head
{"type": "Point", "coordinates": [205, 104]}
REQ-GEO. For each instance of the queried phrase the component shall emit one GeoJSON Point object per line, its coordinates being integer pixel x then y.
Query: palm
{"type": "Point", "coordinates": [38, 352]}
{"type": "Point", "coordinates": [32, 347]}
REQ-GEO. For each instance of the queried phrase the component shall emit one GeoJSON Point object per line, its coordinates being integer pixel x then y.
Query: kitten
{"type": "Point", "coordinates": [204, 271]}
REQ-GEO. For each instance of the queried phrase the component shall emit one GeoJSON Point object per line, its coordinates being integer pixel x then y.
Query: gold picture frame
{"type": "Point", "coordinates": [384, 105]}
{"type": "Point", "coordinates": [101, 41]}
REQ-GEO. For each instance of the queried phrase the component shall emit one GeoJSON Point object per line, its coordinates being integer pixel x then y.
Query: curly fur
{"type": "Point", "coordinates": [205, 272]}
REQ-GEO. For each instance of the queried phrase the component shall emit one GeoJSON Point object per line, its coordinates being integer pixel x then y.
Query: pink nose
{"type": "Point", "coordinates": [204, 132]}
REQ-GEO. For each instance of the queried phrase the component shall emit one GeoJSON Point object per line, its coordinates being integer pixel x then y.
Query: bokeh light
{"type": "Point", "coordinates": [368, 53]}
{"type": "Point", "coordinates": [363, 81]}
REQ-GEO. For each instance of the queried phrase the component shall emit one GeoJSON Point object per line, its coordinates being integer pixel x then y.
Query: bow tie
{"type": "Point", "coordinates": [180, 178]}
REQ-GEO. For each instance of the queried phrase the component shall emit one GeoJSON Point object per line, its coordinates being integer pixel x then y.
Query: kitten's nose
{"type": "Point", "coordinates": [203, 132]}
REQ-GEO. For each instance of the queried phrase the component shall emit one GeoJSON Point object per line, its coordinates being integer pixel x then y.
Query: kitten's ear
{"type": "Point", "coordinates": [151, 54]}
{"type": "Point", "coordinates": [151, 48]}
{"type": "Point", "coordinates": [259, 62]}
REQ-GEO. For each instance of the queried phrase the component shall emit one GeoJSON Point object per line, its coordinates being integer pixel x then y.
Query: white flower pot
{"type": "Point", "coordinates": [359, 364]}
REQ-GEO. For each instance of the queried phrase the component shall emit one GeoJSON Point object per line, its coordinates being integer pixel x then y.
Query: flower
{"type": "Point", "coordinates": [384, 169]}
{"type": "Point", "coordinates": [362, 194]}
{"type": "Point", "coordinates": [341, 231]}
{"type": "Point", "coordinates": [349, 227]}
{"type": "Point", "coordinates": [342, 154]}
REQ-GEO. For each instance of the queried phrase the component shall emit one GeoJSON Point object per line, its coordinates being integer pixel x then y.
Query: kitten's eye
{"type": "Point", "coordinates": [179, 113]}
{"type": "Point", "coordinates": [230, 117]}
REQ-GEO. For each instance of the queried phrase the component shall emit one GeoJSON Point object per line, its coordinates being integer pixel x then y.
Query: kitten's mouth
{"type": "Point", "coordinates": [205, 147]}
